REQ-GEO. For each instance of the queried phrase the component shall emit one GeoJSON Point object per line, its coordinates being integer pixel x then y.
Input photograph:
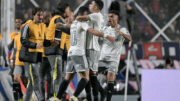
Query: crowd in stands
{"type": "Point", "coordinates": [161, 12]}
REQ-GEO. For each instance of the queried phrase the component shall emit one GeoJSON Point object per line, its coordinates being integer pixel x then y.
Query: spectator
{"type": "Point", "coordinates": [161, 11]}
{"type": "Point", "coordinates": [46, 5]}
{"type": "Point", "coordinates": [123, 13]}
{"type": "Point", "coordinates": [155, 4]}
{"type": "Point", "coordinates": [168, 63]}
{"type": "Point", "coordinates": [148, 31]}
{"type": "Point", "coordinates": [130, 14]}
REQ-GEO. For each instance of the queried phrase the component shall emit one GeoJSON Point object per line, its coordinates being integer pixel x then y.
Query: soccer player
{"type": "Point", "coordinates": [32, 37]}
{"type": "Point", "coordinates": [77, 61]}
{"type": "Point", "coordinates": [96, 21]}
{"type": "Point", "coordinates": [110, 52]}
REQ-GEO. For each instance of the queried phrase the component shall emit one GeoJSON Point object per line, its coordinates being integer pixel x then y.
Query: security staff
{"type": "Point", "coordinates": [59, 40]}
{"type": "Point", "coordinates": [45, 69]}
{"type": "Point", "coordinates": [32, 37]}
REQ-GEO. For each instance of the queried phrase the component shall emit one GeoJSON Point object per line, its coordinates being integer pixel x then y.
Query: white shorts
{"type": "Point", "coordinates": [76, 64]}
{"type": "Point", "coordinates": [92, 58]}
{"type": "Point", "coordinates": [111, 66]}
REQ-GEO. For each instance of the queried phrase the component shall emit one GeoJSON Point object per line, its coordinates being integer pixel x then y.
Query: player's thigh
{"type": "Point", "coordinates": [84, 74]}
{"type": "Point", "coordinates": [92, 58]}
{"type": "Point", "coordinates": [69, 76]}
{"type": "Point", "coordinates": [80, 63]}
{"type": "Point", "coordinates": [112, 70]}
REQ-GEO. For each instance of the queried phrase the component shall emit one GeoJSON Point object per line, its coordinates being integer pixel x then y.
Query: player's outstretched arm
{"type": "Point", "coordinates": [100, 34]}
{"type": "Point", "coordinates": [95, 32]}
{"type": "Point", "coordinates": [82, 18]}
{"type": "Point", "coordinates": [61, 25]}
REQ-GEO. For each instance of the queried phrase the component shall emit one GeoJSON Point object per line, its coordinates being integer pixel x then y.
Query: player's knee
{"type": "Point", "coordinates": [84, 75]}
{"type": "Point", "coordinates": [111, 76]}
{"type": "Point", "coordinates": [69, 76]}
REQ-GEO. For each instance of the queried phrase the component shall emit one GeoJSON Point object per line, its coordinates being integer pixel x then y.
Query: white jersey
{"type": "Point", "coordinates": [112, 51]}
{"type": "Point", "coordinates": [96, 21]}
{"type": "Point", "coordinates": [78, 32]}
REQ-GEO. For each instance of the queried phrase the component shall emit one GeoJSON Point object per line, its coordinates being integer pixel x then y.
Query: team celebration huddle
{"type": "Point", "coordinates": [53, 47]}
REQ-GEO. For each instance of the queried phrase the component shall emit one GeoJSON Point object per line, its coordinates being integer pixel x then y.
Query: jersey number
{"type": "Point", "coordinates": [73, 38]}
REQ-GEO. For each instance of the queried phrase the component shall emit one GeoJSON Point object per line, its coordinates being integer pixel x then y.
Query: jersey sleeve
{"type": "Point", "coordinates": [93, 17]}
{"type": "Point", "coordinates": [125, 31]}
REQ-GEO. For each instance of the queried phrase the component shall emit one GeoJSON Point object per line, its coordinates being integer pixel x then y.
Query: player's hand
{"type": "Point", "coordinates": [80, 18]}
{"type": "Point", "coordinates": [91, 30]}
{"type": "Point", "coordinates": [110, 38]}
{"type": "Point", "coordinates": [59, 25]}
{"type": "Point", "coordinates": [54, 43]}
{"type": "Point", "coordinates": [118, 31]}
{"type": "Point", "coordinates": [39, 45]}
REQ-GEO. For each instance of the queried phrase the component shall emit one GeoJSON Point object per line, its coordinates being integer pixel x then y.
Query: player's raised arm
{"type": "Point", "coordinates": [82, 18]}
{"type": "Point", "coordinates": [125, 33]}
{"type": "Point", "coordinates": [61, 24]}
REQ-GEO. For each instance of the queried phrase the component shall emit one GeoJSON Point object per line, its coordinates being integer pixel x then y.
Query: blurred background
{"type": "Point", "coordinates": [159, 12]}
{"type": "Point", "coordinates": [154, 26]}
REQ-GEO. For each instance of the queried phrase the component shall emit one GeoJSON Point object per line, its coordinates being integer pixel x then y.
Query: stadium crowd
{"type": "Point", "coordinates": [161, 11]}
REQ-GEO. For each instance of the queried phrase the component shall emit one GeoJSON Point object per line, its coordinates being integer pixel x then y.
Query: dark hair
{"type": "Point", "coordinates": [115, 12]}
{"type": "Point", "coordinates": [62, 7]}
{"type": "Point", "coordinates": [99, 3]}
{"type": "Point", "coordinates": [82, 10]}
{"type": "Point", "coordinates": [35, 10]}
{"type": "Point", "coordinates": [115, 8]}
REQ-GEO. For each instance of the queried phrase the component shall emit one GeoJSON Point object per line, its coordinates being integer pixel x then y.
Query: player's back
{"type": "Point", "coordinates": [78, 38]}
